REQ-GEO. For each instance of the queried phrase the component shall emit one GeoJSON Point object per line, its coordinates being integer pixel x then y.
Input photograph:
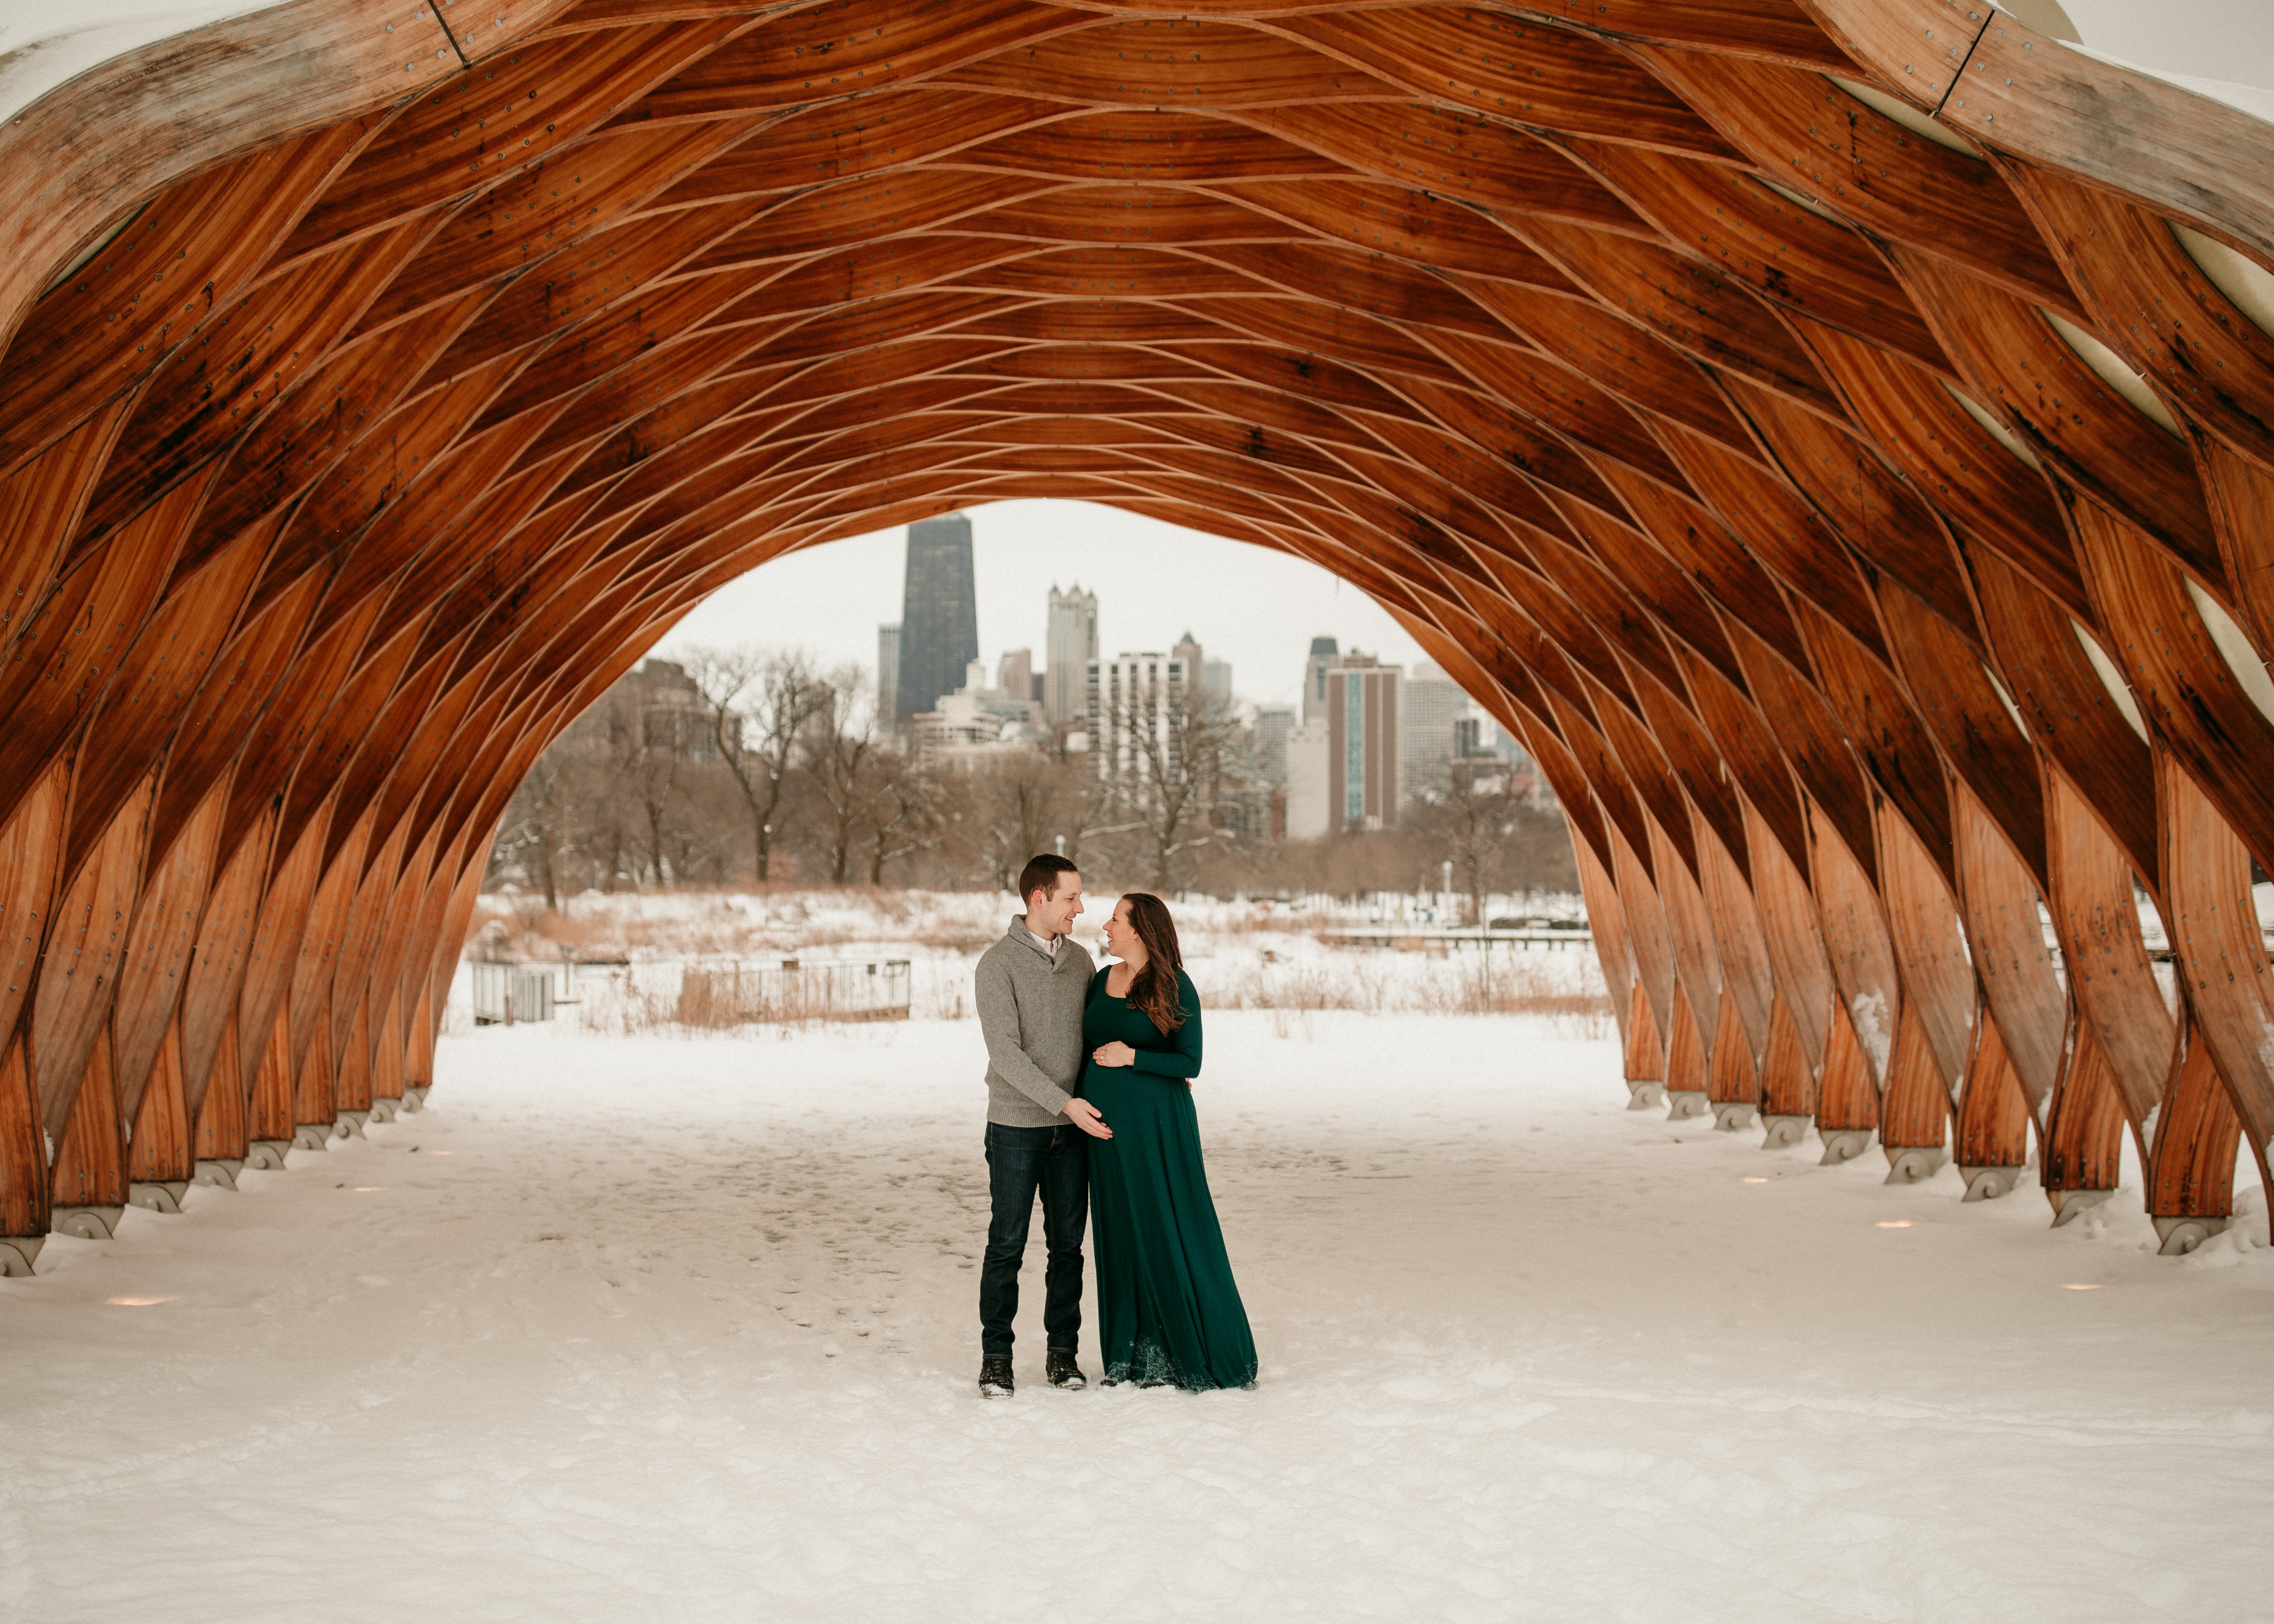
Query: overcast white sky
{"type": "Point", "coordinates": [2232, 40]}
{"type": "Point", "coordinates": [1257, 608]}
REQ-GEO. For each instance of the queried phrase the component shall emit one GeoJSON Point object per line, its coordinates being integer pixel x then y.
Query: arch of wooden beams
{"type": "Point", "coordinates": [1838, 435]}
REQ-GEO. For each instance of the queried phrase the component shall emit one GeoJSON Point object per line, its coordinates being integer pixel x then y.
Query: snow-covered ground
{"type": "Point", "coordinates": [634, 1330]}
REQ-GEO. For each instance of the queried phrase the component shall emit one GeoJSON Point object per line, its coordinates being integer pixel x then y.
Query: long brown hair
{"type": "Point", "coordinates": [1154, 988]}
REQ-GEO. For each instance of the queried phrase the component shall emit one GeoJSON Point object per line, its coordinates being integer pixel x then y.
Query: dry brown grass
{"type": "Point", "coordinates": [523, 928]}
{"type": "Point", "coordinates": [736, 998]}
{"type": "Point", "coordinates": [1475, 984]}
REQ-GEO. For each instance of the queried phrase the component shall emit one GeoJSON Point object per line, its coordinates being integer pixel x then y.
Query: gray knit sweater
{"type": "Point", "coordinates": [1030, 1007]}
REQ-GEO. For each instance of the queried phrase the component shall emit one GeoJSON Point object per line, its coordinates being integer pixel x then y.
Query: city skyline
{"type": "Point", "coordinates": [1255, 609]}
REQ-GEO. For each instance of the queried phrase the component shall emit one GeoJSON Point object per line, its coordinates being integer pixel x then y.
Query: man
{"type": "Point", "coordinates": [1031, 988]}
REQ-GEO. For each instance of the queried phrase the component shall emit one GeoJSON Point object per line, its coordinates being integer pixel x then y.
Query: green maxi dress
{"type": "Point", "coordinates": [1168, 1309]}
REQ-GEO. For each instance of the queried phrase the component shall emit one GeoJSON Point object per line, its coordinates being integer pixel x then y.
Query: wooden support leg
{"type": "Point", "coordinates": [1913, 1116]}
{"type": "Point", "coordinates": [1848, 1105]}
{"type": "Point", "coordinates": [1993, 1116]}
{"type": "Point", "coordinates": [1646, 1058]}
{"type": "Point", "coordinates": [312, 1111]}
{"type": "Point", "coordinates": [22, 1167]}
{"type": "Point", "coordinates": [159, 1162]}
{"type": "Point", "coordinates": [418, 1054]}
{"type": "Point", "coordinates": [269, 1133]}
{"type": "Point", "coordinates": [2083, 1149]}
{"type": "Point", "coordinates": [1788, 1086]}
{"type": "Point", "coordinates": [2223, 982]}
{"type": "Point", "coordinates": [217, 1144]}
{"type": "Point", "coordinates": [387, 1064]}
{"type": "Point", "coordinates": [1732, 1084]}
{"type": "Point", "coordinates": [351, 1083]}
{"type": "Point", "coordinates": [89, 1175]}
{"type": "Point", "coordinates": [1686, 1078]}
{"type": "Point", "coordinates": [2191, 1171]}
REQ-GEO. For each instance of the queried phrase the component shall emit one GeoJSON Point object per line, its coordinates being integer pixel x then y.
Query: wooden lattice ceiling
{"type": "Point", "coordinates": [1826, 430]}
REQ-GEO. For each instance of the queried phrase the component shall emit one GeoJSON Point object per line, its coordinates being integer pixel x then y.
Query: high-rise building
{"type": "Point", "coordinates": [888, 674]}
{"type": "Point", "coordinates": [1014, 673]}
{"type": "Point", "coordinates": [1323, 653]}
{"type": "Point", "coordinates": [1214, 676]}
{"type": "Point", "coordinates": [1273, 723]}
{"type": "Point", "coordinates": [939, 613]}
{"type": "Point", "coordinates": [1364, 766]}
{"type": "Point", "coordinates": [1069, 645]}
{"type": "Point", "coordinates": [1307, 748]}
{"type": "Point", "coordinates": [1432, 703]}
{"type": "Point", "coordinates": [1131, 696]}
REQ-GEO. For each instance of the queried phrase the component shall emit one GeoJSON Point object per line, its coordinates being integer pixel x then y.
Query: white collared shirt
{"type": "Point", "coordinates": [1049, 944]}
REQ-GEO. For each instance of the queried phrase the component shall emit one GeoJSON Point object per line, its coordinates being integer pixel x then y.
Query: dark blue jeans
{"type": "Point", "coordinates": [1020, 1162]}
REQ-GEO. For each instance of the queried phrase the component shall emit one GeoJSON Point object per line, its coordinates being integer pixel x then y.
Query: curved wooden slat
{"type": "Point", "coordinates": [2005, 936]}
{"type": "Point", "coordinates": [2230, 991]}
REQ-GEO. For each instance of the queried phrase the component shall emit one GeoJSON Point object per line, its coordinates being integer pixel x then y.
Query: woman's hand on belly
{"type": "Point", "coordinates": [1112, 1054]}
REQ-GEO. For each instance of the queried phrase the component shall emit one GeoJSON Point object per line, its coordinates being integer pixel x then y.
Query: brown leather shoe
{"type": "Point", "coordinates": [995, 1379]}
{"type": "Point", "coordinates": [1063, 1372]}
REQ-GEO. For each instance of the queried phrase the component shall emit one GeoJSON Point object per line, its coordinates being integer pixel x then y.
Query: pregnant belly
{"type": "Point", "coordinates": [1127, 1089]}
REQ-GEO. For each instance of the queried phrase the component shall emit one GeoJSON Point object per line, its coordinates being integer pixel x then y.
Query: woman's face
{"type": "Point", "coordinates": [1120, 937]}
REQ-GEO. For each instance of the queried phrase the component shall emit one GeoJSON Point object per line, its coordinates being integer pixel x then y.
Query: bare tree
{"type": "Point", "coordinates": [1022, 804]}
{"type": "Point", "coordinates": [645, 769]}
{"type": "Point", "coordinates": [534, 835]}
{"type": "Point", "coordinates": [1475, 818]}
{"type": "Point", "coordinates": [1497, 840]}
{"type": "Point", "coordinates": [906, 818]}
{"type": "Point", "coordinates": [760, 703]}
{"type": "Point", "coordinates": [1163, 752]}
{"type": "Point", "coordinates": [847, 762]}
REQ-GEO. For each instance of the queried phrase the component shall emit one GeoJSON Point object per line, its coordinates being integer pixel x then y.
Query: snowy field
{"type": "Point", "coordinates": [678, 1330]}
{"type": "Point", "coordinates": [1288, 956]}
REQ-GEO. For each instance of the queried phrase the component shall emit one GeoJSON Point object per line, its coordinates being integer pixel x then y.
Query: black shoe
{"type": "Point", "coordinates": [995, 1379]}
{"type": "Point", "coordinates": [1063, 1372]}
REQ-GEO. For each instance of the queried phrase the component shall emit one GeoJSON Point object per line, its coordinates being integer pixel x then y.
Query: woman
{"type": "Point", "coordinates": [1168, 1310]}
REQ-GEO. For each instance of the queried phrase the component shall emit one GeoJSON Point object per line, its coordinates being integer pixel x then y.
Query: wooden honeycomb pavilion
{"type": "Point", "coordinates": [1836, 435]}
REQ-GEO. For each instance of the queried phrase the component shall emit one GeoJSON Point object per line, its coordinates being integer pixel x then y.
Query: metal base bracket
{"type": "Point", "coordinates": [1843, 1144]}
{"type": "Point", "coordinates": [267, 1155]}
{"type": "Point", "coordinates": [1735, 1115]}
{"type": "Point", "coordinates": [2069, 1204]}
{"type": "Point", "coordinates": [219, 1172]}
{"type": "Point", "coordinates": [89, 1223]}
{"type": "Point", "coordinates": [18, 1253]}
{"type": "Point", "coordinates": [312, 1136]}
{"type": "Point", "coordinates": [1987, 1183]}
{"type": "Point", "coordinates": [158, 1195]}
{"type": "Point", "coordinates": [2182, 1236]}
{"type": "Point", "coordinates": [1907, 1164]}
{"type": "Point", "coordinates": [1645, 1094]}
{"type": "Point", "coordinates": [349, 1124]}
{"type": "Point", "coordinates": [414, 1099]}
{"type": "Point", "coordinates": [1784, 1131]}
{"type": "Point", "coordinates": [383, 1109]}
{"type": "Point", "coordinates": [1684, 1102]}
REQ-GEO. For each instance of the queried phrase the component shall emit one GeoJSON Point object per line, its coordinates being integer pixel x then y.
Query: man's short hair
{"type": "Point", "coordinates": [1041, 873]}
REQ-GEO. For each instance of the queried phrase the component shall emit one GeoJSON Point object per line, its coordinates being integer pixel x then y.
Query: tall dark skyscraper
{"type": "Point", "coordinates": [939, 613]}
